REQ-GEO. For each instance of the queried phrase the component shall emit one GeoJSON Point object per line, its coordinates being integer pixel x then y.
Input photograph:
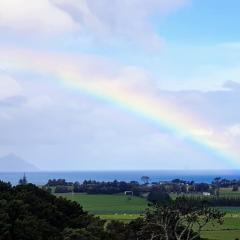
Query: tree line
{"type": "Point", "coordinates": [97, 187]}
{"type": "Point", "coordinates": [216, 201]}
{"type": "Point", "coordinates": [30, 213]}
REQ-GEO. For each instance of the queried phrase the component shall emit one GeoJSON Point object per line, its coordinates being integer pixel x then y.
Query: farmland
{"type": "Point", "coordinates": [229, 230]}
{"type": "Point", "coordinates": [120, 207]}
{"type": "Point", "coordinates": [105, 205]}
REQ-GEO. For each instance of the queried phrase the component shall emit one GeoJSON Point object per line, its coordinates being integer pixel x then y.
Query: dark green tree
{"type": "Point", "coordinates": [23, 180]}
{"type": "Point", "coordinates": [178, 220]}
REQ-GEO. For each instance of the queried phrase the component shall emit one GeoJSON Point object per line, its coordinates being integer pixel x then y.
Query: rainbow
{"type": "Point", "coordinates": [154, 109]}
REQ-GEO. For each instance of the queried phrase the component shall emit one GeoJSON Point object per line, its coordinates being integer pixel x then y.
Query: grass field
{"type": "Point", "coordinates": [228, 192]}
{"type": "Point", "coordinates": [230, 230]}
{"type": "Point", "coordinates": [221, 235]}
{"type": "Point", "coordinates": [109, 204]}
{"type": "Point", "coordinates": [119, 207]}
{"type": "Point", "coordinates": [224, 192]}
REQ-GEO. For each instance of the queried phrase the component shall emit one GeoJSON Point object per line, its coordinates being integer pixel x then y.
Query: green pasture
{"type": "Point", "coordinates": [113, 205]}
{"type": "Point", "coordinates": [230, 230]}
{"type": "Point", "coordinates": [224, 192]}
{"type": "Point", "coordinates": [228, 192]}
{"type": "Point", "coordinates": [120, 217]}
{"type": "Point", "coordinates": [221, 235]}
{"type": "Point", "coordinates": [120, 207]}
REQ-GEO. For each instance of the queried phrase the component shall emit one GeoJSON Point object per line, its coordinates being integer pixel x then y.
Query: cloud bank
{"type": "Point", "coordinates": [107, 20]}
{"type": "Point", "coordinates": [102, 45]}
{"type": "Point", "coordinates": [100, 130]}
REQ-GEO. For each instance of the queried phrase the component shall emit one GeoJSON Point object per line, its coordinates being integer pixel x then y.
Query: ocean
{"type": "Point", "coordinates": [41, 178]}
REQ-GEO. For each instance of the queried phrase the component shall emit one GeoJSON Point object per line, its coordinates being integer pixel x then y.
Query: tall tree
{"type": "Point", "coordinates": [23, 180]}
{"type": "Point", "coordinates": [145, 179]}
{"type": "Point", "coordinates": [178, 220]}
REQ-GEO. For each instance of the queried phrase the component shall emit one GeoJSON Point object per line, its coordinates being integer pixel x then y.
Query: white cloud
{"type": "Point", "coordinates": [120, 18]}
{"type": "Point", "coordinates": [40, 102]}
{"type": "Point", "coordinates": [234, 130]}
{"type": "Point", "coordinates": [98, 126]}
{"type": "Point", "coordinates": [106, 19]}
{"type": "Point", "coordinates": [9, 87]}
{"type": "Point", "coordinates": [39, 16]}
{"type": "Point", "coordinates": [232, 85]}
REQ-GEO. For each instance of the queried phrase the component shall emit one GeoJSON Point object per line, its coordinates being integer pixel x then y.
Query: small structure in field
{"type": "Point", "coordinates": [128, 193]}
{"type": "Point", "coordinates": [206, 193]}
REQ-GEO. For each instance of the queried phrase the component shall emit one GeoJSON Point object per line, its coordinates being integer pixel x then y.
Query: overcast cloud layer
{"type": "Point", "coordinates": [118, 42]}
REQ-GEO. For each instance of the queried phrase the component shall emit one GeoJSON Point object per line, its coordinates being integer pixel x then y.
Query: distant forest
{"type": "Point", "coordinates": [195, 192]}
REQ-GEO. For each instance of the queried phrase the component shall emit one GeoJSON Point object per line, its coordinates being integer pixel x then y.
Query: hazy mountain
{"type": "Point", "coordinates": [13, 163]}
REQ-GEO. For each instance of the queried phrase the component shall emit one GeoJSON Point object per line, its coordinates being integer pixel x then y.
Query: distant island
{"type": "Point", "coordinates": [13, 163]}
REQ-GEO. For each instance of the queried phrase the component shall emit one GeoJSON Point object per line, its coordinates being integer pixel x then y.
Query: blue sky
{"type": "Point", "coordinates": [203, 23]}
{"type": "Point", "coordinates": [186, 52]}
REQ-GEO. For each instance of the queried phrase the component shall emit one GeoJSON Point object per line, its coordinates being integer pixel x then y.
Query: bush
{"type": "Point", "coordinates": [159, 197]}
{"type": "Point", "coordinates": [62, 189]}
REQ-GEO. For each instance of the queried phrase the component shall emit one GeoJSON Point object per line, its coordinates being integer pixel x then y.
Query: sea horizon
{"type": "Point", "coordinates": [41, 177]}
